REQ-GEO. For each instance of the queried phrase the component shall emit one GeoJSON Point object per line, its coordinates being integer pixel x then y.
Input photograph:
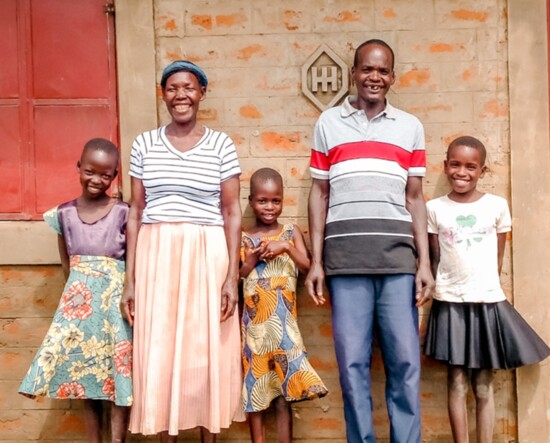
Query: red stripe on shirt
{"type": "Point", "coordinates": [319, 160]}
{"type": "Point", "coordinates": [418, 159]}
{"type": "Point", "coordinates": [377, 150]}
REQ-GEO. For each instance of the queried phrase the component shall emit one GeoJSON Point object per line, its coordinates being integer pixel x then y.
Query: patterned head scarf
{"type": "Point", "coordinates": [185, 66]}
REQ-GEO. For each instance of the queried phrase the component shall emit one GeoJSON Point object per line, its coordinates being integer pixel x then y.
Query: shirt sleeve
{"type": "Point", "coordinates": [319, 164]}
{"type": "Point", "coordinates": [229, 160]}
{"type": "Point", "coordinates": [417, 167]}
{"type": "Point", "coordinates": [51, 218]}
{"type": "Point", "coordinates": [136, 156]}
{"type": "Point", "coordinates": [432, 219]}
{"type": "Point", "coordinates": [504, 221]}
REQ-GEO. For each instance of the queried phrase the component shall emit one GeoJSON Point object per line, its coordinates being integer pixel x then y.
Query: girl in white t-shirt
{"type": "Point", "coordinates": [472, 327]}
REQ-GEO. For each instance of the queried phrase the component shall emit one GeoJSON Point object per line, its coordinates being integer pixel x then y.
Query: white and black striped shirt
{"type": "Point", "coordinates": [183, 186]}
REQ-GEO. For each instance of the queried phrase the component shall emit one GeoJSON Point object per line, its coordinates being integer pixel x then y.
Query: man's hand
{"type": "Point", "coordinates": [425, 285]}
{"type": "Point", "coordinates": [314, 283]}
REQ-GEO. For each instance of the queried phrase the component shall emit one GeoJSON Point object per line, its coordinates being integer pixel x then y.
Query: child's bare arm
{"type": "Point", "coordinates": [63, 255]}
{"type": "Point", "coordinates": [251, 258]}
{"type": "Point", "coordinates": [501, 239]}
{"type": "Point", "coordinates": [433, 241]}
{"type": "Point", "coordinates": [299, 252]}
{"type": "Point", "coordinates": [133, 225]}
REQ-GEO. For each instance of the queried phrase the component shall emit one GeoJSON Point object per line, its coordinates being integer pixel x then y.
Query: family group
{"type": "Point", "coordinates": [150, 321]}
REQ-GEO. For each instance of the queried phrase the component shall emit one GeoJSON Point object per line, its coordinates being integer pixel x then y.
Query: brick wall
{"type": "Point", "coordinates": [451, 65]}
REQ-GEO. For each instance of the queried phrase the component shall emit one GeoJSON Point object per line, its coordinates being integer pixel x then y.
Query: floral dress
{"type": "Point", "coordinates": [87, 351]}
{"type": "Point", "coordinates": [274, 356]}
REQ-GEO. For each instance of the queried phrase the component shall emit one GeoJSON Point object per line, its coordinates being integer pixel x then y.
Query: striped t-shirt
{"type": "Point", "coordinates": [183, 186]}
{"type": "Point", "coordinates": [368, 228]}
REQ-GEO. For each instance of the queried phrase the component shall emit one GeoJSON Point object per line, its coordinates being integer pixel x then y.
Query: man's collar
{"type": "Point", "coordinates": [348, 109]}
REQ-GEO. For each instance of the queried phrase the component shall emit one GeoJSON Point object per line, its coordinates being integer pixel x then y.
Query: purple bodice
{"type": "Point", "coordinates": [105, 237]}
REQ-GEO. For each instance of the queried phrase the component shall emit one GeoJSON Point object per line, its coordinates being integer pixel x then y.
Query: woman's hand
{"type": "Point", "coordinates": [127, 305]}
{"type": "Point", "coordinates": [229, 298]}
{"type": "Point", "coordinates": [231, 213]}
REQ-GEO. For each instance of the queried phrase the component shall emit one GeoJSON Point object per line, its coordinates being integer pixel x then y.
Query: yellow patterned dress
{"type": "Point", "coordinates": [274, 356]}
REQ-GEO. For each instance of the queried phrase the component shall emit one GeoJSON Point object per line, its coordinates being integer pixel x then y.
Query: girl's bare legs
{"type": "Point", "coordinates": [257, 426]}
{"type": "Point", "coordinates": [283, 414]}
{"type": "Point", "coordinates": [457, 388]}
{"type": "Point", "coordinates": [165, 438]}
{"type": "Point", "coordinates": [482, 383]}
{"type": "Point", "coordinates": [119, 423]}
{"type": "Point", "coordinates": [93, 412]}
{"type": "Point", "coordinates": [207, 436]}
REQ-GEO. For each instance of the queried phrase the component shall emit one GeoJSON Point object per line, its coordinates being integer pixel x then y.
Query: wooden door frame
{"type": "Point", "coordinates": [528, 58]}
{"type": "Point", "coordinates": [136, 63]}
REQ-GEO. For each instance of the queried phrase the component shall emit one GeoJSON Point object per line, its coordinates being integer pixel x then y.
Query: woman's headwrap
{"type": "Point", "coordinates": [185, 66]}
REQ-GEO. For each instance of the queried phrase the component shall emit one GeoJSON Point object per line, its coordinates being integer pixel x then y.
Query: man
{"type": "Point", "coordinates": [369, 237]}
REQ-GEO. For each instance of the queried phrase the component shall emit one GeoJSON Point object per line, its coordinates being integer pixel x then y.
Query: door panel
{"type": "Point", "coordinates": [10, 160]}
{"type": "Point", "coordinates": [57, 90]}
{"type": "Point", "coordinates": [9, 84]}
{"type": "Point", "coordinates": [69, 49]}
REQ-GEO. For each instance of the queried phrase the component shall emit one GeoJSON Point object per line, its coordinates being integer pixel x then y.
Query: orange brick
{"type": "Point", "coordinates": [316, 424]}
{"type": "Point", "coordinates": [495, 109]}
{"type": "Point", "coordinates": [416, 77]}
{"type": "Point", "coordinates": [277, 142]}
{"type": "Point", "coordinates": [23, 332]}
{"type": "Point", "coordinates": [216, 18]}
{"type": "Point", "coordinates": [169, 19]}
{"type": "Point", "coordinates": [404, 15]}
{"type": "Point", "coordinates": [470, 15]}
{"type": "Point", "coordinates": [297, 172]}
{"type": "Point", "coordinates": [283, 16]}
{"type": "Point", "coordinates": [14, 363]}
{"type": "Point", "coordinates": [436, 46]}
{"type": "Point", "coordinates": [452, 15]}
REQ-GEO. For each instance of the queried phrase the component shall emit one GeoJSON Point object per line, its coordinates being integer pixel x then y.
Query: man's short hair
{"type": "Point", "coordinates": [377, 42]}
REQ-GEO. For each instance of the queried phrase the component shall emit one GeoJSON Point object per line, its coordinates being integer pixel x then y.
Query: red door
{"type": "Point", "coordinates": [57, 90]}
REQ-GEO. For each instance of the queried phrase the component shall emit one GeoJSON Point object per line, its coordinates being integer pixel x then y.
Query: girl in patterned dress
{"type": "Point", "coordinates": [276, 369]}
{"type": "Point", "coordinates": [87, 352]}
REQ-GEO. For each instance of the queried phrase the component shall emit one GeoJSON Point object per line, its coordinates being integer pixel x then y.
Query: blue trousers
{"type": "Point", "coordinates": [357, 301]}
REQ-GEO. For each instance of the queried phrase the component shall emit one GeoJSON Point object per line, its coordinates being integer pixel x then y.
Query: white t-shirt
{"type": "Point", "coordinates": [467, 233]}
{"type": "Point", "coordinates": [183, 186]}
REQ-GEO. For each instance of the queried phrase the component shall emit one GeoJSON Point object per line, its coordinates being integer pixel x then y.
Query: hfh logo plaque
{"type": "Point", "coordinates": [325, 79]}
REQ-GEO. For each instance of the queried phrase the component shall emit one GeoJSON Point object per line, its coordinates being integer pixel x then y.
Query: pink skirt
{"type": "Point", "coordinates": [187, 365]}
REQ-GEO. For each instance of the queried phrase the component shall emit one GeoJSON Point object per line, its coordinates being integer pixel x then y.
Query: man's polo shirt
{"type": "Point", "coordinates": [368, 228]}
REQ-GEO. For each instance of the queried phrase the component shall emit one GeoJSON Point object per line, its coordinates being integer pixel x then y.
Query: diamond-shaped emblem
{"type": "Point", "coordinates": [325, 79]}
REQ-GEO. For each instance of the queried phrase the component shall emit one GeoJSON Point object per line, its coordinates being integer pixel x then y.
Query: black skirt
{"type": "Point", "coordinates": [482, 336]}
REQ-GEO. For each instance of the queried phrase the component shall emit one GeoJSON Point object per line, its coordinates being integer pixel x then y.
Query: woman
{"type": "Point", "coordinates": [183, 238]}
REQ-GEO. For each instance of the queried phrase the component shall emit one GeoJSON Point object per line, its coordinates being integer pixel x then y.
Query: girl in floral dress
{"type": "Point", "coordinates": [87, 352]}
{"type": "Point", "coordinates": [276, 369]}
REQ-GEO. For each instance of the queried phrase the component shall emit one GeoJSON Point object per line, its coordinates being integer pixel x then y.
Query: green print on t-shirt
{"type": "Point", "coordinates": [467, 223]}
